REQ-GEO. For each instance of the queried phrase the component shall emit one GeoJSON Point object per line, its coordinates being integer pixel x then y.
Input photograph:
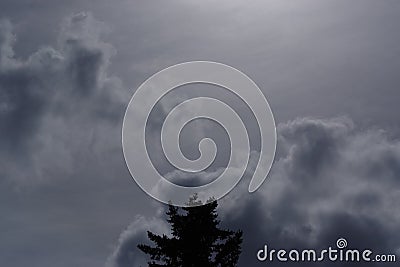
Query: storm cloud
{"type": "Point", "coordinates": [66, 196]}
{"type": "Point", "coordinates": [60, 117]}
{"type": "Point", "coordinates": [54, 93]}
{"type": "Point", "coordinates": [330, 180]}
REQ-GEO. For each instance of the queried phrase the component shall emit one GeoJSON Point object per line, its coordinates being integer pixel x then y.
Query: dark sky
{"type": "Point", "coordinates": [330, 70]}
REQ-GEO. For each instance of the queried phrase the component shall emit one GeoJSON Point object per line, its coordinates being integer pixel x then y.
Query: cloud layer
{"type": "Point", "coordinates": [64, 187]}
{"type": "Point", "coordinates": [330, 180]}
{"type": "Point", "coordinates": [60, 119]}
{"type": "Point", "coordinates": [56, 100]}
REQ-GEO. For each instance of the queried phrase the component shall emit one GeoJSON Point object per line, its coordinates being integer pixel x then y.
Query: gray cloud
{"type": "Point", "coordinates": [61, 109]}
{"type": "Point", "coordinates": [60, 117]}
{"type": "Point", "coordinates": [327, 182]}
{"type": "Point", "coordinates": [136, 233]}
{"type": "Point", "coordinates": [330, 180]}
{"type": "Point", "coordinates": [56, 92]}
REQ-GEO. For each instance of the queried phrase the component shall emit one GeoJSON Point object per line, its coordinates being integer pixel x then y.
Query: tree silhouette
{"type": "Point", "coordinates": [196, 239]}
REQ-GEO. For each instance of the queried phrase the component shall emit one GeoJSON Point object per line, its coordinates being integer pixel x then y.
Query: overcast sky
{"type": "Point", "coordinates": [330, 70]}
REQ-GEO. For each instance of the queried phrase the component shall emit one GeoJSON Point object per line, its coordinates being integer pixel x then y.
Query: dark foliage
{"type": "Point", "coordinates": [196, 240]}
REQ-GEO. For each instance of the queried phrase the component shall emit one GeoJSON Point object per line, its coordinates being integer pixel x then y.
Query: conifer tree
{"type": "Point", "coordinates": [196, 241]}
